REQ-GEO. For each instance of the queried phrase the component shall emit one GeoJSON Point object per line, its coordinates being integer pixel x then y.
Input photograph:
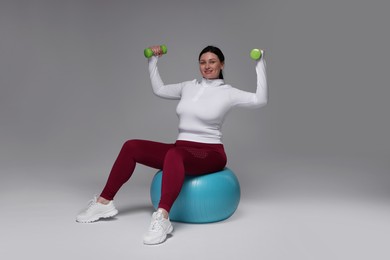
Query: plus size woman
{"type": "Point", "coordinates": [198, 149]}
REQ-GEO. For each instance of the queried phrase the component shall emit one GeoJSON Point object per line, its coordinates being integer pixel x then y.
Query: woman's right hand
{"type": "Point", "coordinates": [157, 51]}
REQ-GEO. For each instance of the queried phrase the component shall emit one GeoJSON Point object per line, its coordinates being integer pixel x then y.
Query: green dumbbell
{"type": "Point", "coordinates": [256, 54]}
{"type": "Point", "coordinates": [149, 53]}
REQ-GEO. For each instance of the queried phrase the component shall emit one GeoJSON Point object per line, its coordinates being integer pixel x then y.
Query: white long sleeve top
{"type": "Point", "coordinates": [204, 104]}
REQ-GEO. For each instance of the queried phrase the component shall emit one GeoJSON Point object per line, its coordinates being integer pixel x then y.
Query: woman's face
{"type": "Point", "coordinates": [210, 65]}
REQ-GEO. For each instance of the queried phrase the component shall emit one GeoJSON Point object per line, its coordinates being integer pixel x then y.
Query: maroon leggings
{"type": "Point", "coordinates": [176, 160]}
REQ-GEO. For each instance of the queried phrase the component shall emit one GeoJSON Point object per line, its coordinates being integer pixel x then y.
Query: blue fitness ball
{"type": "Point", "coordinates": [203, 199]}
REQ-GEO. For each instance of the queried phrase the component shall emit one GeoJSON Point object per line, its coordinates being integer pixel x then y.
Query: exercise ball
{"type": "Point", "coordinates": [204, 198]}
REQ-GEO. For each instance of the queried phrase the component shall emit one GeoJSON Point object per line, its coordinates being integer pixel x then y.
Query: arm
{"type": "Point", "coordinates": [258, 99]}
{"type": "Point", "coordinates": [172, 91]}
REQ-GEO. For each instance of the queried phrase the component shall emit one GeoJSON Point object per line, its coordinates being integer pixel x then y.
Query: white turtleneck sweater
{"type": "Point", "coordinates": [204, 105]}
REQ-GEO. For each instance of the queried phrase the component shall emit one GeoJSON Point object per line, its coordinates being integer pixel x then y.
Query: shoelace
{"type": "Point", "coordinates": [92, 203]}
{"type": "Point", "coordinates": [156, 224]}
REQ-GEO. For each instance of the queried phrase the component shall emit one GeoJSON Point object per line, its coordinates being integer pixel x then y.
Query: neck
{"type": "Point", "coordinates": [212, 82]}
{"type": "Point", "coordinates": [212, 79]}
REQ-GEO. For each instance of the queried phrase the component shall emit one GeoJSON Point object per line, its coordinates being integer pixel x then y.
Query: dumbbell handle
{"type": "Point", "coordinates": [149, 53]}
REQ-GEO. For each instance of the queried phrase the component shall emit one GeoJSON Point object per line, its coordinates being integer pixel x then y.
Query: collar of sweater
{"type": "Point", "coordinates": [212, 82]}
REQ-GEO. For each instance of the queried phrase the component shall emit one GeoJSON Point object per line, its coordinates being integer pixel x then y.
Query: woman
{"type": "Point", "coordinates": [198, 149]}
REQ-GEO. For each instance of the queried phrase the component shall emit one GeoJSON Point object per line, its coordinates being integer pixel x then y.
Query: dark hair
{"type": "Point", "coordinates": [217, 52]}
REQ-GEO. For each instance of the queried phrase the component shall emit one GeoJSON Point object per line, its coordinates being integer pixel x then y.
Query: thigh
{"type": "Point", "coordinates": [148, 153]}
{"type": "Point", "coordinates": [199, 161]}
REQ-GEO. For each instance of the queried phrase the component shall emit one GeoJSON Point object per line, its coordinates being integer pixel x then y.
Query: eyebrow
{"type": "Point", "coordinates": [212, 59]}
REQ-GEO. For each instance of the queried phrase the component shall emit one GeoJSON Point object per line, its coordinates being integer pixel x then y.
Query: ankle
{"type": "Point", "coordinates": [102, 201]}
{"type": "Point", "coordinates": [164, 212]}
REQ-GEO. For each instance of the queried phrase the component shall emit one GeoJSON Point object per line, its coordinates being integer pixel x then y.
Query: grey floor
{"type": "Point", "coordinates": [296, 208]}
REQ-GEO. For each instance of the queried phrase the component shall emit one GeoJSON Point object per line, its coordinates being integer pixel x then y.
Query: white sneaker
{"type": "Point", "coordinates": [96, 211]}
{"type": "Point", "coordinates": [159, 228]}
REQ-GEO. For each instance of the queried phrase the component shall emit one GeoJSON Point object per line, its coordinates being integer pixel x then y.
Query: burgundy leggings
{"type": "Point", "coordinates": [176, 160]}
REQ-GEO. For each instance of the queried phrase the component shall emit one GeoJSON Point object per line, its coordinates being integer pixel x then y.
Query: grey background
{"type": "Point", "coordinates": [313, 163]}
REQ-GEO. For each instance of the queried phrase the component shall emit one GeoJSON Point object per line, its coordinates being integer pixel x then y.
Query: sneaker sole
{"type": "Point", "coordinates": [109, 214]}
